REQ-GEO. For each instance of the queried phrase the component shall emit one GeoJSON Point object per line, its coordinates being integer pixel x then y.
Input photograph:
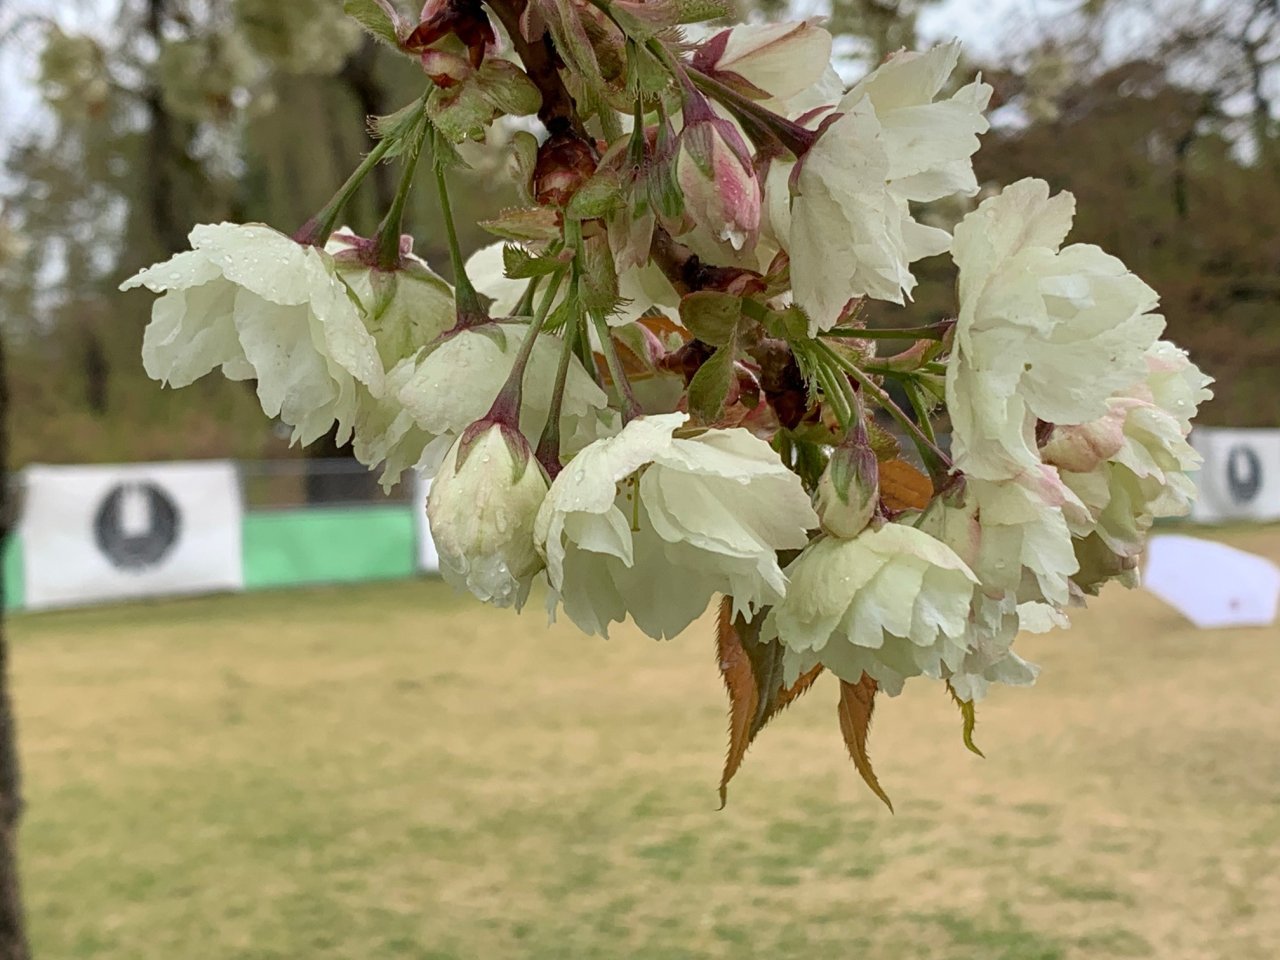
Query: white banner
{"type": "Point", "coordinates": [1240, 479]}
{"type": "Point", "coordinates": [428, 559]}
{"type": "Point", "coordinates": [142, 530]}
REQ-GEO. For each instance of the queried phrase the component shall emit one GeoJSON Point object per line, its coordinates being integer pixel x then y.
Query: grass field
{"type": "Point", "coordinates": [392, 772]}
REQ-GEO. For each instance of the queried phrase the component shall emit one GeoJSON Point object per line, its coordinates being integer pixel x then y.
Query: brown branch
{"type": "Point", "coordinates": [542, 63]}
{"type": "Point", "coordinates": [13, 937]}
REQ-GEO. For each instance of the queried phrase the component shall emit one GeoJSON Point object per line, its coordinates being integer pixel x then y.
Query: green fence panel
{"type": "Point", "coordinates": [328, 545]}
{"type": "Point", "coordinates": [11, 570]}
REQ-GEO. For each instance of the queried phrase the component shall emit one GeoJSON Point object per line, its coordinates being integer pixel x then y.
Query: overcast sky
{"type": "Point", "coordinates": [979, 23]}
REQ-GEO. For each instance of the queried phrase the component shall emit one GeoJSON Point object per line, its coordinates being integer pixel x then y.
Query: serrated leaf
{"type": "Point", "coordinates": [857, 702]}
{"type": "Point", "coordinates": [969, 714]}
{"type": "Point", "coordinates": [520, 264]}
{"type": "Point", "coordinates": [378, 17]}
{"type": "Point", "coordinates": [903, 487]}
{"type": "Point", "coordinates": [884, 443]}
{"type": "Point", "coordinates": [752, 675]}
{"type": "Point", "coordinates": [711, 316]}
{"type": "Point", "coordinates": [524, 157]}
{"type": "Point", "coordinates": [598, 197]}
{"type": "Point", "coordinates": [507, 88]}
{"type": "Point", "coordinates": [789, 324]}
{"type": "Point", "coordinates": [399, 129]}
{"type": "Point", "coordinates": [696, 11]}
{"type": "Point", "coordinates": [709, 388]}
{"type": "Point", "coordinates": [525, 224]}
{"type": "Point", "coordinates": [459, 113]}
{"type": "Point", "coordinates": [599, 277]}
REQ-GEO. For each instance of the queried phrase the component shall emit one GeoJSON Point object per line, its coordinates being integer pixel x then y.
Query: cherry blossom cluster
{"type": "Point", "coordinates": [657, 387]}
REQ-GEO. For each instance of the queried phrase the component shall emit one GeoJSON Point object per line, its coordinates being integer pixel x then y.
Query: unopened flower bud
{"type": "Point", "coordinates": [565, 162]}
{"type": "Point", "coordinates": [482, 506]}
{"type": "Point", "coordinates": [715, 174]}
{"type": "Point", "coordinates": [849, 490]}
{"type": "Point", "coordinates": [1081, 448]}
{"type": "Point", "coordinates": [445, 69]}
{"type": "Point", "coordinates": [464, 19]}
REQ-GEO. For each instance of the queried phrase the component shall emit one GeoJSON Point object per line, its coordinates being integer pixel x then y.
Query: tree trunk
{"type": "Point", "coordinates": [13, 935]}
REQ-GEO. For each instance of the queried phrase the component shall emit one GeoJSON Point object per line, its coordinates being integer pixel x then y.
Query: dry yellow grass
{"type": "Point", "coordinates": [392, 772]}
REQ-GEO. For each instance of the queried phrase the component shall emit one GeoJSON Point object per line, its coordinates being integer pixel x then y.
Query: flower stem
{"type": "Point", "coordinates": [630, 408]}
{"type": "Point", "coordinates": [469, 309]}
{"type": "Point", "coordinates": [315, 232]}
{"type": "Point", "coordinates": [934, 331]}
{"type": "Point", "coordinates": [763, 125]}
{"type": "Point", "coordinates": [548, 452]}
{"type": "Point", "coordinates": [387, 237]}
{"type": "Point", "coordinates": [506, 406]}
{"type": "Point", "coordinates": [939, 463]}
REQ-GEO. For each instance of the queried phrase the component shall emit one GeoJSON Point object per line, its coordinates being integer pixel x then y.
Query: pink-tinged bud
{"type": "Point", "coordinates": [849, 489]}
{"type": "Point", "coordinates": [464, 19]}
{"type": "Point", "coordinates": [445, 69]}
{"type": "Point", "coordinates": [714, 171]}
{"type": "Point", "coordinates": [1080, 449]}
{"type": "Point", "coordinates": [565, 162]}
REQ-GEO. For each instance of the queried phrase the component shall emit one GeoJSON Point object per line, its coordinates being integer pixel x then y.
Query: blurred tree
{"type": "Point", "coordinates": [180, 112]}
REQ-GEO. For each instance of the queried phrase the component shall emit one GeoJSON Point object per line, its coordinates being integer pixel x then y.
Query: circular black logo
{"type": "Point", "coordinates": [136, 525]}
{"type": "Point", "coordinates": [1244, 474]}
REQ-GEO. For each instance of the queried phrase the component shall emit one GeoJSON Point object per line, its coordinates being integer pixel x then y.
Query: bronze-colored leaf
{"type": "Point", "coordinates": [752, 674]}
{"type": "Point", "coordinates": [970, 714]}
{"type": "Point", "coordinates": [903, 487]}
{"type": "Point", "coordinates": [857, 701]}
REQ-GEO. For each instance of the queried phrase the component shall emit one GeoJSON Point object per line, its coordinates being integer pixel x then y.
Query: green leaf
{"type": "Point", "coordinates": [709, 387]}
{"type": "Point", "coordinates": [696, 11]}
{"type": "Point", "coordinates": [460, 113]}
{"type": "Point", "coordinates": [599, 277]}
{"type": "Point", "coordinates": [524, 157]}
{"type": "Point", "coordinates": [520, 264]}
{"type": "Point", "coordinates": [378, 17]}
{"type": "Point", "coordinates": [598, 197]}
{"type": "Point", "coordinates": [507, 88]}
{"type": "Point", "coordinates": [525, 224]}
{"type": "Point", "coordinates": [711, 316]}
{"type": "Point", "coordinates": [399, 129]}
{"type": "Point", "coordinates": [969, 714]}
{"type": "Point", "coordinates": [789, 324]}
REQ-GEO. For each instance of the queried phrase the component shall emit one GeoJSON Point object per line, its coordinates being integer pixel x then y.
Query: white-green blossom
{"type": "Point", "coordinates": [457, 379]}
{"type": "Point", "coordinates": [482, 506]}
{"type": "Point", "coordinates": [892, 603]}
{"type": "Point", "coordinates": [652, 525]}
{"type": "Point", "coordinates": [1043, 333]}
{"type": "Point", "coordinates": [252, 301]}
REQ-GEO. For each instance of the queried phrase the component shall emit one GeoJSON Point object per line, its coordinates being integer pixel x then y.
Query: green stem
{"type": "Point", "coordinates": [916, 397]}
{"type": "Point", "coordinates": [506, 407]}
{"type": "Point", "coordinates": [763, 125]}
{"type": "Point", "coordinates": [548, 452]}
{"type": "Point", "coordinates": [931, 332]}
{"type": "Point", "coordinates": [315, 232]}
{"type": "Point", "coordinates": [630, 408]}
{"type": "Point", "coordinates": [939, 463]}
{"type": "Point", "coordinates": [387, 237]}
{"type": "Point", "coordinates": [525, 304]}
{"type": "Point", "coordinates": [469, 309]}
{"type": "Point", "coordinates": [835, 386]}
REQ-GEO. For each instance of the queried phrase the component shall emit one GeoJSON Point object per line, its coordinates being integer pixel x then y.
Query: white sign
{"type": "Point", "coordinates": [1240, 479]}
{"type": "Point", "coordinates": [428, 559]}
{"type": "Point", "coordinates": [143, 530]}
{"type": "Point", "coordinates": [1211, 584]}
